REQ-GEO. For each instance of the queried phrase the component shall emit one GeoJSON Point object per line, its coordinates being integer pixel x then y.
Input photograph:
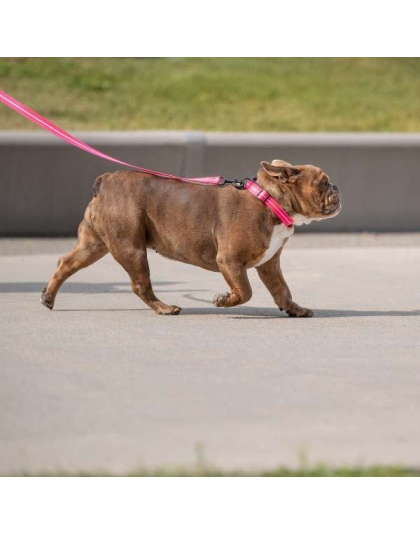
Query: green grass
{"type": "Point", "coordinates": [317, 471]}
{"type": "Point", "coordinates": [228, 94]}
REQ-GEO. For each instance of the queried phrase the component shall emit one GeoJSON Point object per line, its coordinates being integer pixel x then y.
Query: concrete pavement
{"type": "Point", "coordinates": [102, 383]}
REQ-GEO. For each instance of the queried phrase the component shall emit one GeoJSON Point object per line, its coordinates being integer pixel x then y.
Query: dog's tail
{"type": "Point", "coordinates": [97, 184]}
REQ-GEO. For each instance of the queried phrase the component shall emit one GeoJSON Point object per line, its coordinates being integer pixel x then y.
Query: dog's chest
{"type": "Point", "coordinates": [278, 237]}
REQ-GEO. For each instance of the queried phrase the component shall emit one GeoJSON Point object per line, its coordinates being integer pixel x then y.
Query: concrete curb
{"type": "Point", "coordinates": [45, 185]}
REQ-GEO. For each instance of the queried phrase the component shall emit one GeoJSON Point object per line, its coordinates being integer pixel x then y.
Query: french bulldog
{"type": "Point", "coordinates": [222, 229]}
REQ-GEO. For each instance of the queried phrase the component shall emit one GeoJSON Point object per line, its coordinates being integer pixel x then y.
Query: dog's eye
{"type": "Point", "coordinates": [324, 183]}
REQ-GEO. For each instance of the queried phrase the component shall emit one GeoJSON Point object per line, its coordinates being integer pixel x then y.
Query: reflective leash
{"type": "Point", "coordinates": [46, 124]}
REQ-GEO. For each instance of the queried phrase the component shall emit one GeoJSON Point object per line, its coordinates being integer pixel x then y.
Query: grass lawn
{"type": "Point", "coordinates": [228, 94]}
{"type": "Point", "coordinates": [317, 471]}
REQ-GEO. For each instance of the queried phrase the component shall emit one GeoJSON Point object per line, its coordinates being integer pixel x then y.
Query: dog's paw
{"type": "Point", "coordinates": [298, 311]}
{"type": "Point", "coordinates": [169, 310]}
{"type": "Point", "coordinates": [220, 299]}
{"type": "Point", "coordinates": [48, 303]}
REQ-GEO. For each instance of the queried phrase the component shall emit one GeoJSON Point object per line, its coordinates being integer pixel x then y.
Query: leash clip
{"type": "Point", "coordinates": [240, 184]}
{"type": "Point", "coordinates": [237, 184]}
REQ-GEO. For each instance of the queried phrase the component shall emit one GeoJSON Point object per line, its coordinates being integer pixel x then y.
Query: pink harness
{"type": "Point", "coordinates": [46, 124]}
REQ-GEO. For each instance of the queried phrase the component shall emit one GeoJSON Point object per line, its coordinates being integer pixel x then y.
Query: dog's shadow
{"type": "Point", "coordinates": [240, 312]}
{"type": "Point", "coordinates": [74, 287]}
{"type": "Point", "coordinates": [247, 312]}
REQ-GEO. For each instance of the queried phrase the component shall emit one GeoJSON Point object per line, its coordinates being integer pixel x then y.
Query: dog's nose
{"type": "Point", "coordinates": [334, 196]}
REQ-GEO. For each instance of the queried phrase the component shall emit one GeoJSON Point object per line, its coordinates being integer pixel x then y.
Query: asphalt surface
{"type": "Point", "coordinates": [102, 383]}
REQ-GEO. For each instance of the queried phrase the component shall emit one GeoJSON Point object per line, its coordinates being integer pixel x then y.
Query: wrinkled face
{"type": "Point", "coordinates": [313, 194]}
{"type": "Point", "coordinates": [318, 197]}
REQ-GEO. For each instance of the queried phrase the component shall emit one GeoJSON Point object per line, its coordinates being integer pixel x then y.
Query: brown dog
{"type": "Point", "coordinates": [217, 228]}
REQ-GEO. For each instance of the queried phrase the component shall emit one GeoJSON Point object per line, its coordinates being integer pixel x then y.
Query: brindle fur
{"type": "Point", "coordinates": [220, 229]}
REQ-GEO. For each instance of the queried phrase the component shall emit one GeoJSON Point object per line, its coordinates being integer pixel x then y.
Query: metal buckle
{"type": "Point", "coordinates": [237, 184]}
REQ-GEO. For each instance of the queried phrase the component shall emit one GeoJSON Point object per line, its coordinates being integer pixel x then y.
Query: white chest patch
{"type": "Point", "coordinates": [278, 237]}
{"type": "Point", "coordinates": [299, 219]}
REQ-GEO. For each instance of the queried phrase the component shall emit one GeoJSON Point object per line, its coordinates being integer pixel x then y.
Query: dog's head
{"type": "Point", "coordinates": [309, 193]}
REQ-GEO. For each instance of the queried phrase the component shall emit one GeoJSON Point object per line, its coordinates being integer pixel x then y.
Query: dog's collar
{"type": "Point", "coordinates": [251, 186]}
{"type": "Point", "coordinates": [269, 201]}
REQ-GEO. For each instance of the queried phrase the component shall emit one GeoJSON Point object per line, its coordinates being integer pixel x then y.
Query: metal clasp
{"type": "Point", "coordinates": [238, 184]}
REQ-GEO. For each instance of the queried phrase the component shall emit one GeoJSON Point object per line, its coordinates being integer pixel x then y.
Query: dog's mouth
{"type": "Point", "coordinates": [329, 207]}
{"type": "Point", "coordinates": [329, 214]}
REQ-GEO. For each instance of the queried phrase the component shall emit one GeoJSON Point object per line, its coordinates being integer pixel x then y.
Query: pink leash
{"type": "Point", "coordinates": [41, 121]}
{"type": "Point", "coordinates": [46, 124]}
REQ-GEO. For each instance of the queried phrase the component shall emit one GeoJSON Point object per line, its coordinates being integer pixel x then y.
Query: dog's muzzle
{"type": "Point", "coordinates": [334, 196]}
{"type": "Point", "coordinates": [333, 200]}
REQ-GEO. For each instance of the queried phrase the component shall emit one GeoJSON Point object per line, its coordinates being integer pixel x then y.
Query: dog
{"type": "Point", "coordinates": [220, 229]}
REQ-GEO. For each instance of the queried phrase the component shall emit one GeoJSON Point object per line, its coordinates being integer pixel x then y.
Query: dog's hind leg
{"type": "Point", "coordinates": [89, 248]}
{"type": "Point", "coordinates": [134, 261]}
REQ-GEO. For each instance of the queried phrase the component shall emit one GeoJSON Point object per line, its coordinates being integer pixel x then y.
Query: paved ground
{"type": "Point", "coordinates": [103, 383]}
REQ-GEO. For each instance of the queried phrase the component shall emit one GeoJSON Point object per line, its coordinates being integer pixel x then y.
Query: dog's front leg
{"type": "Point", "coordinates": [270, 273]}
{"type": "Point", "coordinates": [236, 276]}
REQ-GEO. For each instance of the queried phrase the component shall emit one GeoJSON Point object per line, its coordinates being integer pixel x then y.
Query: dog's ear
{"type": "Point", "coordinates": [281, 163]}
{"type": "Point", "coordinates": [282, 170]}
